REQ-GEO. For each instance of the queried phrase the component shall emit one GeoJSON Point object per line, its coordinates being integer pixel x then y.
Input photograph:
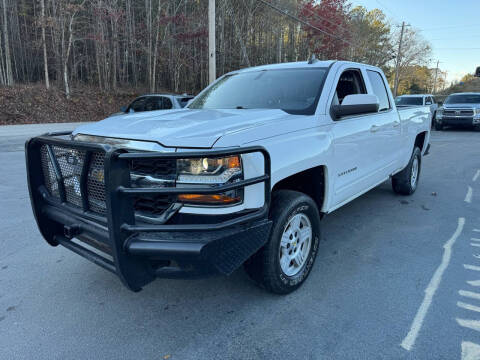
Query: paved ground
{"type": "Point", "coordinates": [390, 271]}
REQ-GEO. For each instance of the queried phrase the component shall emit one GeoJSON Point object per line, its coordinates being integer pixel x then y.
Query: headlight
{"type": "Point", "coordinates": [210, 172]}
{"type": "Point", "coordinates": [439, 113]}
{"type": "Point", "coordinates": [192, 173]}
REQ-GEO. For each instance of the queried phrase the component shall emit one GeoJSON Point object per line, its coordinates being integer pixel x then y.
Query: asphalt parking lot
{"type": "Point", "coordinates": [395, 277]}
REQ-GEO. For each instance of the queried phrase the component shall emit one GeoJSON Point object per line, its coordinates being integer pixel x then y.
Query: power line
{"type": "Point", "coordinates": [449, 27]}
{"type": "Point", "coordinates": [387, 8]}
{"type": "Point", "coordinates": [319, 17]}
{"type": "Point", "coordinates": [281, 11]}
{"type": "Point", "coordinates": [456, 38]}
{"type": "Point", "coordinates": [476, 48]}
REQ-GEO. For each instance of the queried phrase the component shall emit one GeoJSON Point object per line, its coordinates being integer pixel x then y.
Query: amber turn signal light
{"type": "Point", "coordinates": [216, 199]}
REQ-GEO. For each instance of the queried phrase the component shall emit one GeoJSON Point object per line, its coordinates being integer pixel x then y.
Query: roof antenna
{"type": "Point", "coordinates": [312, 59]}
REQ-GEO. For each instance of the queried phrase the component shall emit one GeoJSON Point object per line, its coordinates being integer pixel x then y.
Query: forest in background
{"type": "Point", "coordinates": [141, 46]}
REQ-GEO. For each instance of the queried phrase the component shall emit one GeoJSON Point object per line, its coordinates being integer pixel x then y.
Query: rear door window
{"type": "Point", "coordinates": [379, 89]}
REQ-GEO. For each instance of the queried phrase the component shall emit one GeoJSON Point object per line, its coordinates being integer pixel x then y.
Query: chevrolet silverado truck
{"type": "Point", "coordinates": [459, 110]}
{"type": "Point", "coordinates": [418, 100]}
{"type": "Point", "coordinates": [243, 175]}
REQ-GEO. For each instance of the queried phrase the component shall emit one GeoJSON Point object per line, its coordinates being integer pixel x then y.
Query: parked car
{"type": "Point", "coordinates": [477, 72]}
{"type": "Point", "coordinates": [459, 110]}
{"type": "Point", "coordinates": [418, 100]}
{"type": "Point", "coordinates": [153, 102]}
{"type": "Point", "coordinates": [243, 176]}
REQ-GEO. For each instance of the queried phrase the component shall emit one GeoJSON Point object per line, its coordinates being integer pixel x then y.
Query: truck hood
{"type": "Point", "coordinates": [182, 128]}
{"type": "Point", "coordinates": [460, 106]}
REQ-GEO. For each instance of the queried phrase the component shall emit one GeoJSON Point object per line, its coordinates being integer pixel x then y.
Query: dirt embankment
{"type": "Point", "coordinates": [31, 104]}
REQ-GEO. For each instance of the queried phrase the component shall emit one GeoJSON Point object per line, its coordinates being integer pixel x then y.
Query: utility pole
{"type": "Point", "coordinates": [399, 57]}
{"type": "Point", "coordinates": [212, 72]}
{"type": "Point", "coordinates": [435, 81]}
{"type": "Point", "coordinates": [44, 45]}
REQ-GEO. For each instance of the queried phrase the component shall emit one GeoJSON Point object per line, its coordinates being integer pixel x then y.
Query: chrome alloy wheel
{"type": "Point", "coordinates": [295, 244]}
{"type": "Point", "coordinates": [414, 174]}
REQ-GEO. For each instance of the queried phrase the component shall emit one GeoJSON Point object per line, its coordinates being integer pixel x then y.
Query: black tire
{"type": "Point", "coordinates": [438, 127]}
{"type": "Point", "coordinates": [402, 182]}
{"type": "Point", "coordinates": [264, 267]}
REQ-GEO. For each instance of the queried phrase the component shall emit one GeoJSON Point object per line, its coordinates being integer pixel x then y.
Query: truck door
{"type": "Point", "coordinates": [387, 122]}
{"type": "Point", "coordinates": [355, 146]}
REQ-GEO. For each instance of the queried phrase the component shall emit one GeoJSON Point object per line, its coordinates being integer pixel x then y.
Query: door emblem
{"type": "Point", "coordinates": [347, 171]}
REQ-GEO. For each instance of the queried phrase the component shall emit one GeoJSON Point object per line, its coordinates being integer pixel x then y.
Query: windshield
{"type": "Point", "coordinates": [463, 99]}
{"type": "Point", "coordinates": [292, 90]}
{"type": "Point", "coordinates": [409, 100]}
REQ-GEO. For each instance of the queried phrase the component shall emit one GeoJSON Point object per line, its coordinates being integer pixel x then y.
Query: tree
{"type": "Point", "coordinates": [414, 51]}
{"type": "Point", "coordinates": [8, 60]}
{"type": "Point", "coordinates": [331, 16]}
{"type": "Point", "coordinates": [44, 45]}
{"type": "Point", "coordinates": [371, 33]}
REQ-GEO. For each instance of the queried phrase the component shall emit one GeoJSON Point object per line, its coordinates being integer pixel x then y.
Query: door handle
{"type": "Point", "coordinates": [374, 128]}
{"type": "Point", "coordinates": [396, 123]}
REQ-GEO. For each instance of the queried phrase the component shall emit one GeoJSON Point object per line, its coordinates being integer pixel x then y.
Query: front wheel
{"type": "Point", "coordinates": [284, 263]}
{"type": "Point", "coordinates": [406, 181]}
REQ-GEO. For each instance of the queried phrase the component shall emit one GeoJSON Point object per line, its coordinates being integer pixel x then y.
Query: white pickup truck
{"type": "Point", "coordinates": [243, 175]}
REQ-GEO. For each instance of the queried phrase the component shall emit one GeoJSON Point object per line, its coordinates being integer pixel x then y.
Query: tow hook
{"type": "Point", "coordinates": [70, 231]}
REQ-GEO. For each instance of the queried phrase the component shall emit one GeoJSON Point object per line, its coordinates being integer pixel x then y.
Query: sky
{"type": "Point", "coordinates": [451, 26]}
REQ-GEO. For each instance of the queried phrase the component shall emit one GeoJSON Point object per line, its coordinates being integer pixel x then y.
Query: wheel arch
{"type": "Point", "coordinates": [312, 182]}
{"type": "Point", "coordinates": [420, 141]}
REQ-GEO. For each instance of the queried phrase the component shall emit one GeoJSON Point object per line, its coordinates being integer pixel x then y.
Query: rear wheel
{"type": "Point", "coordinates": [406, 181]}
{"type": "Point", "coordinates": [284, 263]}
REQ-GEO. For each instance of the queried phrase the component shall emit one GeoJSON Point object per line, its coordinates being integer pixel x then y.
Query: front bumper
{"type": "Point", "coordinates": [139, 252]}
{"type": "Point", "coordinates": [459, 121]}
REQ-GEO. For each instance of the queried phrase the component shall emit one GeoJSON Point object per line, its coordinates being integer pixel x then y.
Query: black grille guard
{"type": "Point", "coordinates": [119, 222]}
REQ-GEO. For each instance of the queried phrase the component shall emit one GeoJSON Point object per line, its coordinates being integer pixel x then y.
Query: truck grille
{"type": "Point", "coordinates": [70, 163]}
{"type": "Point", "coordinates": [154, 205]}
{"type": "Point", "coordinates": [458, 112]}
{"type": "Point", "coordinates": [96, 184]}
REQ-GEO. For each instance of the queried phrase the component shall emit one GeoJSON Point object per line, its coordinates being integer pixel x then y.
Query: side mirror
{"type": "Point", "coordinates": [123, 109]}
{"type": "Point", "coordinates": [356, 105]}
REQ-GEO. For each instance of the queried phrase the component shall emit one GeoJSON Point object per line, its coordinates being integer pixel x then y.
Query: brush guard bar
{"type": "Point", "coordinates": [129, 245]}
